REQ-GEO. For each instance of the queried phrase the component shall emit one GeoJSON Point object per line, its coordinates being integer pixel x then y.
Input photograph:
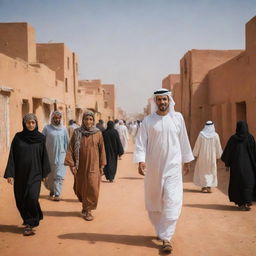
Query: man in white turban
{"type": "Point", "coordinates": [123, 134]}
{"type": "Point", "coordinates": [162, 146]}
{"type": "Point", "coordinates": [56, 143]}
{"type": "Point", "coordinates": [207, 149]}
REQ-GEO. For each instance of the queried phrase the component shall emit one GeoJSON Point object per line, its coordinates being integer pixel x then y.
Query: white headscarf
{"type": "Point", "coordinates": [208, 130]}
{"type": "Point", "coordinates": [56, 113]}
{"type": "Point", "coordinates": [162, 91]}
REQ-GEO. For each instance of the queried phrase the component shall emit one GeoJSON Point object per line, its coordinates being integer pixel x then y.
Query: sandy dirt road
{"type": "Point", "coordinates": [209, 224]}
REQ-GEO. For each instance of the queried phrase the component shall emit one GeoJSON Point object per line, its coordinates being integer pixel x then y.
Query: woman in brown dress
{"type": "Point", "coordinates": [86, 159]}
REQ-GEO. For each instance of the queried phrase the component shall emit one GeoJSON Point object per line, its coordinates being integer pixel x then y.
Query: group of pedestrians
{"type": "Point", "coordinates": [239, 157]}
{"type": "Point", "coordinates": [162, 150]}
{"type": "Point", "coordinates": [36, 157]}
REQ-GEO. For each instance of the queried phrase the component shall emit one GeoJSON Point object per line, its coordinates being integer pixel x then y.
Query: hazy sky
{"type": "Point", "coordinates": [133, 43]}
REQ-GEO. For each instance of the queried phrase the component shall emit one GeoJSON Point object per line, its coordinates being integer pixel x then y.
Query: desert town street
{"type": "Point", "coordinates": [209, 225]}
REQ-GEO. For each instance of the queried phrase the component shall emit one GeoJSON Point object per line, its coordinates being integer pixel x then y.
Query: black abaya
{"type": "Point", "coordinates": [240, 156]}
{"type": "Point", "coordinates": [113, 148]}
{"type": "Point", "coordinates": [28, 164]}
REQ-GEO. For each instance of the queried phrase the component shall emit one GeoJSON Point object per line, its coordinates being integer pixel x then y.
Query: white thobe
{"type": "Point", "coordinates": [124, 135]}
{"type": "Point", "coordinates": [207, 150]}
{"type": "Point", "coordinates": [162, 143]}
{"type": "Point", "coordinates": [134, 128]}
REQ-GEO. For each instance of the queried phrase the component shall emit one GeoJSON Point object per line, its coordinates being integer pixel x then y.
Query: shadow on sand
{"type": "Point", "coordinates": [62, 214]}
{"type": "Point", "coordinates": [69, 200]}
{"type": "Point", "coordinates": [214, 207]}
{"type": "Point", "coordinates": [131, 178]}
{"type": "Point", "coordinates": [142, 241]}
{"type": "Point", "coordinates": [128, 152]}
{"type": "Point", "coordinates": [11, 229]}
{"type": "Point", "coordinates": [191, 190]}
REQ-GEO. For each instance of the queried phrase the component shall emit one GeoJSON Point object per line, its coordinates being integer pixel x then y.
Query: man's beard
{"type": "Point", "coordinates": [163, 107]}
{"type": "Point", "coordinates": [57, 123]}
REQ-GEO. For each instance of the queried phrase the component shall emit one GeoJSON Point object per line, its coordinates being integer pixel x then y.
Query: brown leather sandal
{"type": "Point", "coordinates": [167, 247]}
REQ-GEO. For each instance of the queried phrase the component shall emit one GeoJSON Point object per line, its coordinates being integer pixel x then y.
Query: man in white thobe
{"type": "Point", "coordinates": [123, 134]}
{"type": "Point", "coordinates": [162, 146]}
{"type": "Point", "coordinates": [207, 149]}
{"type": "Point", "coordinates": [56, 144]}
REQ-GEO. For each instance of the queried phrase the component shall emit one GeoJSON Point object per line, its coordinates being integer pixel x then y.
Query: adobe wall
{"type": "Point", "coordinates": [17, 40]}
{"type": "Point", "coordinates": [35, 85]}
{"type": "Point", "coordinates": [229, 85]}
{"type": "Point", "coordinates": [172, 83]}
{"type": "Point", "coordinates": [52, 55]}
{"type": "Point", "coordinates": [195, 66]}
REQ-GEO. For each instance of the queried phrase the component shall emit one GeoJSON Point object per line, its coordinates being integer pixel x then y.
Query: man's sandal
{"type": "Point", "coordinates": [28, 231]}
{"type": "Point", "coordinates": [167, 247]}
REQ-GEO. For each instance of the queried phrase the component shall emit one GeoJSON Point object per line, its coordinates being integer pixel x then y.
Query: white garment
{"type": "Point", "coordinates": [207, 150]}
{"type": "Point", "coordinates": [133, 132]}
{"type": "Point", "coordinates": [209, 130]}
{"type": "Point", "coordinates": [165, 221]}
{"type": "Point", "coordinates": [124, 135]}
{"type": "Point", "coordinates": [162, 143]}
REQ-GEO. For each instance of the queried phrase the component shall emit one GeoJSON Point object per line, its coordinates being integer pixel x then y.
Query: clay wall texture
{"type": "Point", "coordinates": [41, 78]}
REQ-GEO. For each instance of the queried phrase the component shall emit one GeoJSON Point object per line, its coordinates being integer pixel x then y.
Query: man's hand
{"type": "Point", "coordinates": [142, 168]}
{"type": "Point", "coordinates": [227, 169]}
{"type": "Point", "coordinates": [186, 168]}
{"type": "Point", "coordinates": [73, 170]}
{"type": "Point", "coordinates": [10, 180]}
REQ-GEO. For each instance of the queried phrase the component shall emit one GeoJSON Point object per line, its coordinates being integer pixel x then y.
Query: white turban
{"type": "Point", "coordinates": [162, 91]}
{"type": "Point", "coordinates": [208, 130]}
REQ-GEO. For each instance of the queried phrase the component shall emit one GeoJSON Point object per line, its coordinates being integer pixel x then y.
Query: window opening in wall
{"type": "Point", "coordinates": [4, 124]}
{"type": "Point", "coordinates": [241, 111]}
{"type": "Point", "coordinates": [36, 105]}
{"type": "Point", "coordinates": [68, 62]}
{"type": "Point", "coordinates": [24, 108]}
{"type": "Point", "coordinates": [47, 112]}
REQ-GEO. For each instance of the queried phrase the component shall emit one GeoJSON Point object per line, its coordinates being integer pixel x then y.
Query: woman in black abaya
{"type": "Point", "coordinates": [27, 166]}
{"type": "Point", "coordinates": [240, 156]}
{"type": "Point", "coordinates": [113, 148]}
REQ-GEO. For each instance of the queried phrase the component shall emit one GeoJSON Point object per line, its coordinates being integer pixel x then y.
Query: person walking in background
{"type": "Point", "coordinates": [71, 127]}
{"type": "Point", "coordinates": [56, 143]}
{"type": "Point", "coordinates": [113, 148]}
{"type": "Point", "coordinates": [162, 146]}
{"type": "Point", "coordinates": [207, 149]}
{"type": "Point", "coordinates": [123, 134]}
{"type": "Point", "coordinates": [27, 166]}
{"type": "Point", "coordinates": [239, 157]}
{"type": "Point", "coordinates": [86, 159]}
{"type": "Point", "coordinates": [100, 125]}
{"type": "Point", "coordinates": [116, 123]}
{"type": "Point", "coordinates": [133, 129]}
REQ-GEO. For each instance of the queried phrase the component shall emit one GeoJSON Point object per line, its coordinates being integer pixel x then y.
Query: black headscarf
{"type": "Point", "coordinates": [110, 125]}
{"type": "Point", "coordinates": [242, 131]}
{"type": "Point", "coordinates": [28, 136]}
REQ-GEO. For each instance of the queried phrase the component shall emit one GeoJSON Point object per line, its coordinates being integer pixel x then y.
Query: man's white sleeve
{"type": "Point", "coordinates": [141, 144]}
{"type": "Point", "coordinates": [186, 152]}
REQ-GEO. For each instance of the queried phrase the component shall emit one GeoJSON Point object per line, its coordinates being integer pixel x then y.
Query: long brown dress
{"type": "Point", "coordinates": [87, 180]}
